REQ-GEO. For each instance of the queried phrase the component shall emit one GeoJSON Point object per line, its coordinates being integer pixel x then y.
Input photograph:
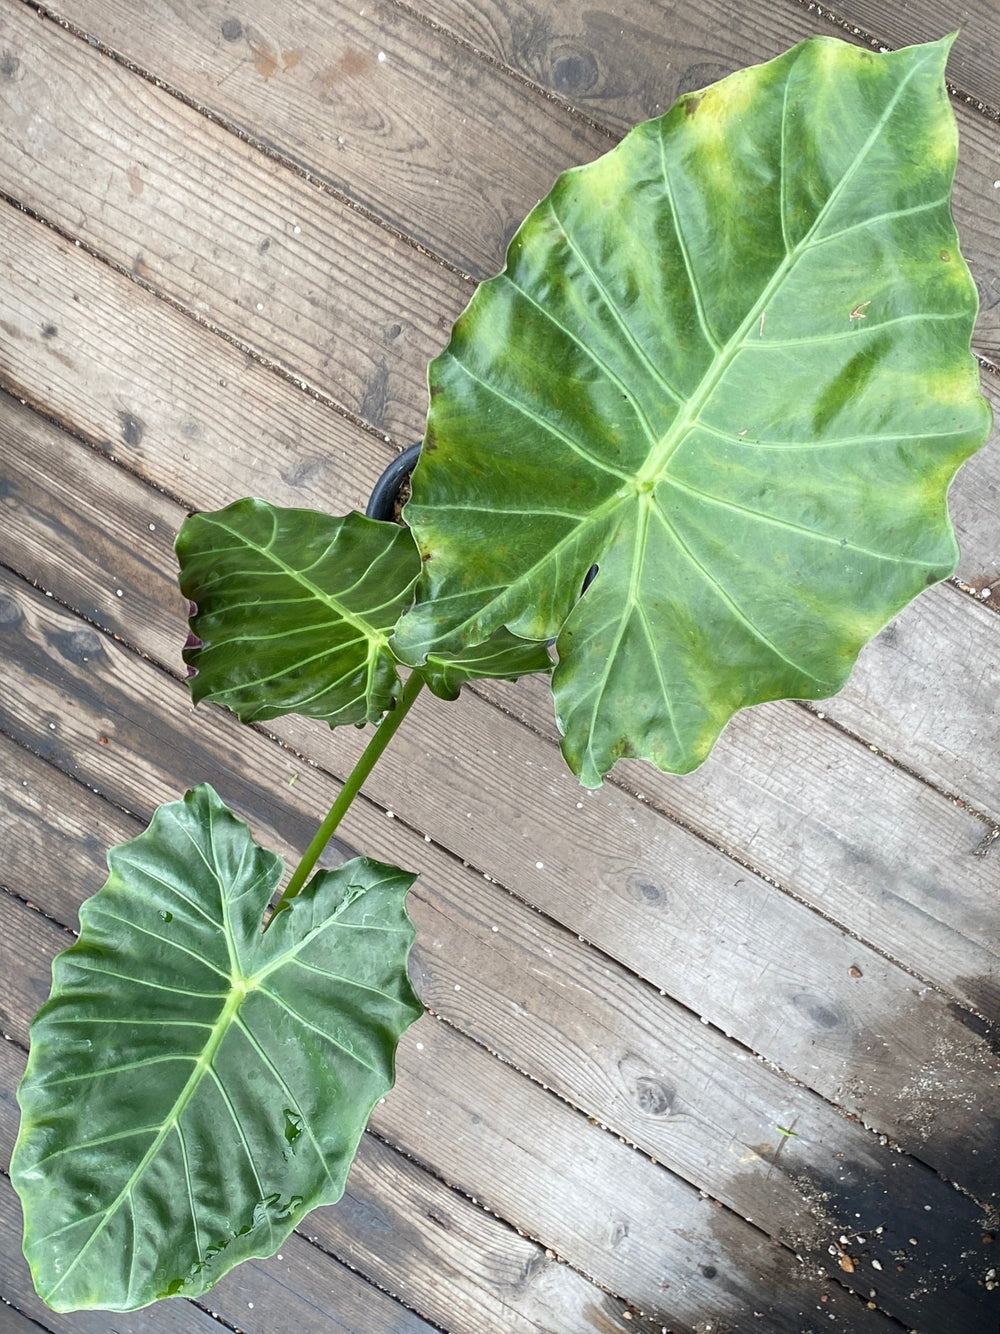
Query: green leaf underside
{"type": "Point", "coordinates": [729, 363]}
{"type": "Point", "coordinates": [196, 1086]}
{"type": "Point", "coordinates": [294, 610]}
{"type": "Point", "coordinates": [502, 657]}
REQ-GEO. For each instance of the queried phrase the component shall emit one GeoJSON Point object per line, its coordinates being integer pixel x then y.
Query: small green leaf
{"type": "Point", "coordinates": [195, 1085]}
{"type": "Point", "coordinates": [728, 362]}
{"type": "Point", "coordinates": [294, 610]}
{"type": "Point", "coordinates": [503, 657]}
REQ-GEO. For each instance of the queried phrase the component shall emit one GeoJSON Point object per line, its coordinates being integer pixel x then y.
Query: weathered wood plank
{"type": "Point", "coordinates": [307, 281]}
{"type": "Point", "coordinates": [632, 1059]}
{"type": "Point", "coordinates": [12, 1321]}
{"type": "Point", "coordinates": [979, 970]}
{"type": "Point", "coordinates": [725, 944]}
{"type": "Point", "coordinates": [589, 56]}
{"type": "Point", "coordinates": [170, 400]}
{"type": "Point", "coordinates": [479, 1005]}
{"type": "Point", "coordinates": [446, 148]}
{"type": "Point", "coordinates": [368, 99]}
{"type": "Point", "coordinates": [523, 1153]}
{"type": "Point", "coordinates": [868, 844]}
{"type": "Point", "coordinates": [973, 65]}
{"type": "Point", "coordinates": [360, 331]}
{"type": "Point", "coordinates": [204, 394]}
{"type": "Point", "coordinates": [955, 748]}
{"type": "Point", "coordinates": [876, 847]}
{"type": "Point", "coordinates": [468, 1269]}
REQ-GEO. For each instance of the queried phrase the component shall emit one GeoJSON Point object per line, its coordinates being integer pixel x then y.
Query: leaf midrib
{"type": "Point", "coordinates": [202, 1065]}
{"type": "Point", "coordinates": [239, 989]}
{"type": "Point", "coordinates": [377, 638]}
{"type": "Point", "coordinates": [670, 441]}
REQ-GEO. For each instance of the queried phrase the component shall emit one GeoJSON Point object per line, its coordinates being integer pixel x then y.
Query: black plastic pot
{"type": "Point", "coordinates": [382, 504]}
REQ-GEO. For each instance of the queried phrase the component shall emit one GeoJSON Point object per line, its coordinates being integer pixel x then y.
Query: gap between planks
{"type": "Point", "coordinates": [790, 23]}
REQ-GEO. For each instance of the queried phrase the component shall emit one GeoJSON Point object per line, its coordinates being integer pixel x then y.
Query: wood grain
{"type": "Point", "coordinates": [588, 56]}
{"type": "Point", "coordinates": [198, 401]}
{"type": "Point", "coordinates": [408, 121]}
{"type": "Point", "coordinates": [206, 398]}
{"type": "Point", "coordinates": [871, 846]}
{"type": "Point", "coordinates": [170, 405]}
{"type": "Point", "coordinates": [370, 101]}
{"type": "Point", "coordinates": [623, 66]}
{"type": "Point", "coordinates": [12, 1321]}
{"type": "Point", "coordinates": [955, 748]}
{"type": "Point", "coordinates": [344, 304]}
{"type": "Point", "coordinates": [971, 969]}
{"type": "Point", "coordinates": [631, 1058]}
{"type": "Point", "coordinates": [868, 844]}
{"type": "Point", "coordinates": [973, 63]}
{"type": "Point", "coordinates": [282, 265]}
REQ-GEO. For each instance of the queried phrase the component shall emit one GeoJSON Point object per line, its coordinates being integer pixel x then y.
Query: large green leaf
{"type": "Point", "coordinates": [729, 363]}
{"type": "Point", "coordinates": [293, 610]}
{"type": "Point", "coordinates": [196, 1086]}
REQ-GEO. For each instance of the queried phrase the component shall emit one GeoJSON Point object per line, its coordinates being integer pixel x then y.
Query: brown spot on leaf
{"type": "Point", "coordinates": [946, 256]}
{"type": "Point", "coordinates": [691, 105]}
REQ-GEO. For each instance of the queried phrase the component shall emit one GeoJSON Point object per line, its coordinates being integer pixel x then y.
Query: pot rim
{"type": "Point", "coordinates": [381, 503]}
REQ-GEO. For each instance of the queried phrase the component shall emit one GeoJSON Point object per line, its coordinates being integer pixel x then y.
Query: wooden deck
{"type": "Point", "coordinates": [704, 1055]}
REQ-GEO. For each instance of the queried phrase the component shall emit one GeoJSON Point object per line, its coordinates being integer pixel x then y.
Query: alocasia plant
{"type": "Point", "coordinates": [728, 363]}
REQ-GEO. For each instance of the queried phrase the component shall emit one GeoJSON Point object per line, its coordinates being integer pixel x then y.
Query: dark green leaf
{"type": "Point", "coordinates": [195, 1087]}
{"type": "Point", "coordinates": [729, 363]}
{"type": "Point", "coordinates": [294, 610]}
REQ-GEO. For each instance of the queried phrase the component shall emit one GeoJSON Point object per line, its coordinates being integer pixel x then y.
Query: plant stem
{"type": "Point", "coordinates": [384, 733]}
